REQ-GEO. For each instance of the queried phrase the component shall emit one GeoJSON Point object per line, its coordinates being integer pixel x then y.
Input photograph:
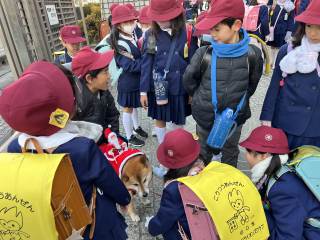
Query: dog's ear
{"type": "Point", "coordinates": [125, 178]}
{"type": "Point", "coordinates": [143, 160]}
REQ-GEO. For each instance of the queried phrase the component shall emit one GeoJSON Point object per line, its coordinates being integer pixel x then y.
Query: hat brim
{"type": "Point", "coordinates": [124, 19]}
{"type": "Point", "coordinates": [255, 147]}
{"type": "Point", "coordinates": [102, 61]}
{"type": "Point", "coordinates": [74, 40]}
{"type": "Point", "coordinates": [166, 161]}
{"type": "Point", "coordinates": [165, 16]}
{"type": "Point", "coordinates": [208, 23]}
{"type": "Point", "coordinates": [304, 18]}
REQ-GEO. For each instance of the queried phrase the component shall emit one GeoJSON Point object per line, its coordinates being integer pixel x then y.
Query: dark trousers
{"type": "Point", "coordinates": [230, 150]}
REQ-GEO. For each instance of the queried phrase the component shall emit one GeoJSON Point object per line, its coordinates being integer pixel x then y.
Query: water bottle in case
{"type": "Point", "coordinates": [160, 88]}
{"type": "Point", "coordinates": [223, 127]}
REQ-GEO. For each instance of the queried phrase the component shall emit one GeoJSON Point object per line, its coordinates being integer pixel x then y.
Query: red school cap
{"type": "Point", "coordinates": [88, 59]}
{"type": "Point", "coordinates": [220, 10]}
{"type": "Point", "coordinates": [71, 34]}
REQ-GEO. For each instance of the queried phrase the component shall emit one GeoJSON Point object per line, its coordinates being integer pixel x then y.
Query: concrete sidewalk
{"type": "Point", "coordinates": [137, 231]}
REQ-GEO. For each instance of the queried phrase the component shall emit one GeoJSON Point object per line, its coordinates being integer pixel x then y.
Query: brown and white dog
{"type": "Point", "coordinates": [136, 176]}
{"type": "Point", "coordinates": [133, 168]}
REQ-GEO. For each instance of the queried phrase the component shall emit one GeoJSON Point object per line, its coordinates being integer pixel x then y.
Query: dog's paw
{"type": "Point", "coordinates": [146, 202]}
{"type": "Point", "coordinates": [135, 217]}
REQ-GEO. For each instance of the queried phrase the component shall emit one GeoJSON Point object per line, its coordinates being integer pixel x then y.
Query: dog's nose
{"type": "Point", "coordinates": [145, 194]}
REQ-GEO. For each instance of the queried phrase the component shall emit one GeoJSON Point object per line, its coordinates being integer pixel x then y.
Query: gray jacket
{"type": "Point", "coordinates": [235, 76]}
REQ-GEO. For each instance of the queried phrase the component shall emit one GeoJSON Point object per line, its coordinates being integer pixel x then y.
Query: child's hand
{"type": "Point", "coordinates": [144, 101]}
{"type": "Point", "coordinates": [147, 221]}
{"type": "Point", "coordinates": [124, 209]}
{"type": "Point", "coordinates": [266, 123]}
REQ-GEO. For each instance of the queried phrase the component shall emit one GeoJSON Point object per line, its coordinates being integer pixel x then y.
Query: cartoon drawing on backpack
{"type": "Point", "coordinates": [11, 222]}
{"type": "Point", "coordinates": [237, 203]}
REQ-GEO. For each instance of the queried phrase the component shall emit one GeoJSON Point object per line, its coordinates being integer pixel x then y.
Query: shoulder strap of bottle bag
{"type": "Point", "coordinates": [171, 51]}
{"type": "Point", "coordinates": [214, 88]}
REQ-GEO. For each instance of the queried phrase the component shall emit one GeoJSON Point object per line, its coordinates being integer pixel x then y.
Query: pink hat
{"type": "Point", "coordinates": [40, 102]}
{"type": "Point", "coordinates": [220, 10]}
{"type": "Point", "coordinates": [311, 15]}
{"type": "Point", "coordinates": [164, 10]}
{"type": "Point", "coordinates": [113, 5]}
{"type": "Point", "coordinates": [143, 18]}
{"type": "Point", "coordinates": [71, 34]}
{"type": "Point", "coordinates": [87, 60]}
{"type": "Point", "coordinates": [268, 140]}
{"type": "Point", "coordinates": [178, 149]}
{"type": "Point", "coordinates": [122, 13]}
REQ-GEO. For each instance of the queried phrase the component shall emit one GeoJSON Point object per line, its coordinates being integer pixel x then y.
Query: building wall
{"type": "Point", "coordinates": [105, 4]}
{"type": "Point", "coordinates": [66, 15]}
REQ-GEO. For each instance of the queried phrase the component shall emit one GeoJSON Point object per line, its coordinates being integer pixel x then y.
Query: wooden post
{"type": "Point", "coordinates": [84, 22]}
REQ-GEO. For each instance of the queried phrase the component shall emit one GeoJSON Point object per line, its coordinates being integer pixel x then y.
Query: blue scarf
{"type": "Point", "coordinates": [225, 51]}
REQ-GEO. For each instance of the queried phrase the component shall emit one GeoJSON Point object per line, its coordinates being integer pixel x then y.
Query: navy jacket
{"type": "Point", "coordinates": [171, 211]}
{"type": "Point", "coordinates": [263, 23]}
{"type": "Point", "coordinates": [129, 80]}
{"type": "Point", "coordinates": [285, 23]}
{"type": "Point", "coordinates": [64, 58]}
{"type": "Point", "coordinates": [158, 61]}
{"type": "Point", "coordinates": [303, 5]}
{"type": "Point", "coordinates": [291, 203]}
{"type": "Point", "coordinates": [295, 106]}
{"type": "Point", "coordinates": [92, 169]}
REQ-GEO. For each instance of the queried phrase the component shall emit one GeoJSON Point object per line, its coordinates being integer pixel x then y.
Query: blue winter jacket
{"type": "Point", "coordinates": [295, 106]}
{"type": "Point", "coordinates": [291, 203]}
{"type": "Point", "coordinates": [171, 212]}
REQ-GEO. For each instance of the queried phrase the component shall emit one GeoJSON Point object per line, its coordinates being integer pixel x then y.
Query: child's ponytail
{"type": "Point", "coordinates": [114, 37]}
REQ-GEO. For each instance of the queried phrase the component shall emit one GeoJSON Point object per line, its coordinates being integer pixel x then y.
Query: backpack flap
{"type": "Point", "coordinates": [200, 223]}
{"type": "Point", "coordinates": [307, 166]}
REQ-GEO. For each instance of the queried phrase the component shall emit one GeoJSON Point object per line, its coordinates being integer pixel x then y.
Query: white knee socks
{"type": "Point", "coordinates": [134, 117]}
{"type": "Point", "coordinates": [160, 134]}
{"type": "Point", "coordinates": [127, 124]}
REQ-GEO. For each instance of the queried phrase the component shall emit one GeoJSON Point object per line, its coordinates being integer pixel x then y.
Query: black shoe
{"type": "Point", "coordinates": [140, 132]}
{"type": "Point", "coordinates": [135, 142]}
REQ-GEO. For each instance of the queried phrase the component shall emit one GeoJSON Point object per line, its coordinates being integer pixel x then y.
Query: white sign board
{"type": "Point", "coordinates": [52, 14]}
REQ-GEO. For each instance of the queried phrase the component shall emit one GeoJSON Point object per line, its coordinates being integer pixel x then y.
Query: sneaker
{"type": "Point", "coordinates": [159, 171]}
{"type": "Point", "coordinates": [140, 132]}
{"type": "Point", "coordinates": [135, 142]}
{"type": "Point", "coordinates": [153, 132]}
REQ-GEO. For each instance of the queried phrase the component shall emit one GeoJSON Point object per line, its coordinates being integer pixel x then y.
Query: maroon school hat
{"type": "Point", "coordinates": [122, 13]}
{"type": "Point", "coordinates": [143, 17]}
{"type": "Point", "coordinates": [220, 10]}
{"type": "Point", "coordinates": [40, 102]}
{"type": "Point", "coordinates": [113, 5]}
{"type": "Point", "coordinates": [267, 139]}
{"type": "Point", "coordinates": [135, 11]}
{"type": "Point", "coordinates": [178, 149]}
{"type": "Point", "coordinates": [88, 59]}
{"type": "Point", "coordinates": [311, 15]}
{"type": "Point", "coordinates": [71, 34]}
{"type": "Point", "coordinates": [164, 10]}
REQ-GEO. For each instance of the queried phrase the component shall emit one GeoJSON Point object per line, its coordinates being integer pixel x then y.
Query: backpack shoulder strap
{"type": "Point", "coordinates": [206, 58]}
{"type": "Point", "coordinates": [189, 29]}
{"type": "Point", "coordinates": [125, 45]}
{"type": "Point", "coordinates": [284, 169]}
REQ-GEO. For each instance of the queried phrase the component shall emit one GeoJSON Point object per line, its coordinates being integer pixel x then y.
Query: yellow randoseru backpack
{"type": "Point", "coordinates": [40, 197]}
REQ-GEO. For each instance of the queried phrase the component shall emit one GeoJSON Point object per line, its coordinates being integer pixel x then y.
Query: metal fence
{"type": "Point", "coordinates": [105, 5]}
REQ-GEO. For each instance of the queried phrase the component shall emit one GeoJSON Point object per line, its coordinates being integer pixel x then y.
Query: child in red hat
{"type": "Point", "coordinates": [39, 105]}
{"type": "Point", "coordinates": [289, 203]}
{"type": "Point", "coordinates": [223, 76]}
{"type": "Point", "coordinates": [292, 100]}
{"type": "Point", "coordinates": [95, 103]}
{"type": "Point", "coordinates": [179, 152]}
{"type": "Point", "coordinates": [124, 23]}
{"type": "Point", "coordinates": [70, 37]}
{"type": "Point", "coordinates": [167, 50]}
